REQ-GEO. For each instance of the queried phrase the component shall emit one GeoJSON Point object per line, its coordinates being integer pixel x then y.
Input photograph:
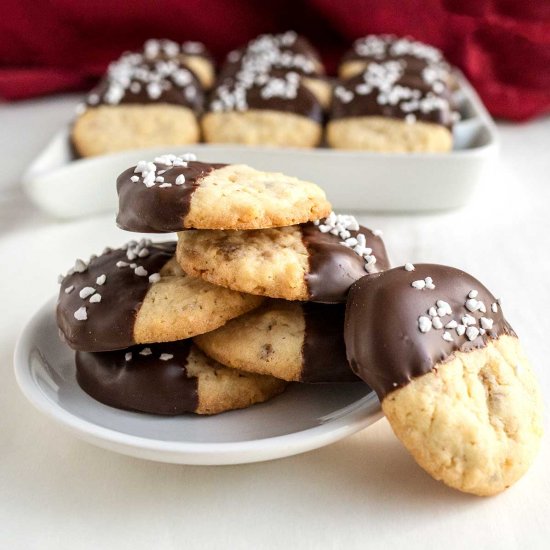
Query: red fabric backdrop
{"type": "Point", "coordinates": [503, 46]}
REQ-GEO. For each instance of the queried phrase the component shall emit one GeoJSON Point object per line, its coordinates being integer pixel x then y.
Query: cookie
{"type": "Point", "coordinates": [277, 55]}
{"type": "Point", "coordinates": [287, 51]}
{"type": "Point", "coordinates": [294, 341]}
{"type": "Point", "coordinates": [450, 373]}
{"type": "Point", "coordinates": [170, 379]}
{"type": "Point", "coordinates": [264, 109]}
{"type": "Point", "coordinates": [193, 55]}
{"type": "Point", "coordinates": [387, 110]}
{"type": "Point", "coordinates": [415, 56]}
{"type": "Point", "coordinates": [138, 294]}
{"type": "Point", "coordinates": [310, 262]}
{"type": "Point", "coordinates": [140, 103]}
{"type": "Point", "coordinates": [177, 192]}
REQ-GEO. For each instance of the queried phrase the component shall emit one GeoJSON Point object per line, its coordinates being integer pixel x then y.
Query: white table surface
{"type": "Point", "coordinates": [365, 491]}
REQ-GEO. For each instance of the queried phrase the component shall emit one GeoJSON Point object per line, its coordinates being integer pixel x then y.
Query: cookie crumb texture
{"type": "Point", "coordinates": [179, 306]}
{"type": "Point", "coordinates": [262, 127]}
{"type": "Point", "coordinates": [474, 422]}
{"type": "Point", "coordinates": [240, 197]}
{"type": "Point", "coordinates": [222, 389]}
{"type": "Point", "coordinates": [387, 135]}
{"type": "Point", "coordinates": [273, 336]}
{"type": "Point", "coordinates": [269, 262]}
{"type": "Point", "coordinates": [110, 128]}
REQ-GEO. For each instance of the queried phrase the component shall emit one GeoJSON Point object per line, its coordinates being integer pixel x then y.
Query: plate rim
{"type": "Point", "coordinates": [216, 453]}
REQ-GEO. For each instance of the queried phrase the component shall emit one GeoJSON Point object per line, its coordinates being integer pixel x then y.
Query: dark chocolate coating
{"type": "Point", "coordinates": [305, 103]}
{"type": "Point", "coordinates": [368, 105]}
{"type": "Point", "coordinates": [333, 268]}
{"type": "Point", "coordinates": [110, 323]}
{"type": "Point", "coordinates": [324, 351]}
{"type": "Point", "coordinates": [159, 209]}
{"type": "Point", "coordinates": [145, 383]}
{"type": "Point", "coordinates": [301, 47]}
{"type": "Point", "coordinates": [414, 63]}
{"type": "Point", "coordinates": [384, 344]}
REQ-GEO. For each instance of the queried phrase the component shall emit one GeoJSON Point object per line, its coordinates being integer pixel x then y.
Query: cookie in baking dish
{"type": "Point", "coordinates": [450, 372]}
{"type": "Point", "coordinates": [139, 103]}
{"type": "Point", "coordinates": [309, 262]}
{"type": "Point", "coordinates": [191, 54]}
{"type": "Point", "coordinates": [138, 294]}
{"type": "Point", "coordinates": [170, 379]}
{"type": "Point", "coordinates": [174, 192]}
{"type": "Point", "coordinates": [294, 341]}
{"type": "Point", "coordinates": [385, 109]}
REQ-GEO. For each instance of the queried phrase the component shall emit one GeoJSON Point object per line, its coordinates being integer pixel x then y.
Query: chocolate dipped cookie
{"type": "Point", "coordinates": [170, 379]}
{"type": "Point", "coordinates": [294, 341]}
{"type": "Point", "coordinates": [138, 294]}
{"type": "Point", "coordinates": [141, 102]}
{"type": "Point", "coordinates": [310, 262]}
{"type": "Point", "coordinates": [192, 55]}
{"type": "Point", "coordinates": [387, 109]}
{"type": "Point", "coordinates": [450, 373]}
{"type": "Point", "coordinates": [175, 192]}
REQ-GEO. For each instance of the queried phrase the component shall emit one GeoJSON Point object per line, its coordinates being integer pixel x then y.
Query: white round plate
{"type": "Point", "coordinates": [303, 418]}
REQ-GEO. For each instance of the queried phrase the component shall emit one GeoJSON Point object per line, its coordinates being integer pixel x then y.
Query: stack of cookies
{"type": "Point", "coordinates": [267, 286]}
{"type": "Point", "coordinates": [250, 298]}
{"type": "Point", "coordinates": [394, 95]}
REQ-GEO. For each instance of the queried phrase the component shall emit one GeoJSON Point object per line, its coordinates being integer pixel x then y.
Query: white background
{"type": "Point", "coordinates": [57, 492]}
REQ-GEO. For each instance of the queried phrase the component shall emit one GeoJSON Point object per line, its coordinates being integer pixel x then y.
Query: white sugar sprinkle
{"type": "Point", "coordinates": [86, 291]}
{"type": "Point", "coordinates": [472, 304]}
{"type": "Point", "coordinates": [494, 307]}
{"type": "Point", "coordinates": [468, 320]}
{"type": "Point", "coordinates": [95, 299]}
{"type": "Point", "coordinates": [424, 324]}
{"type": "Point", "coordinates": [487, 324]}
{"type": "Point", "coordinates": [128, 356]}
{"type": "Point", "coordinates": [420, 284]}
{"type": "Point", "coordinates": [146, 351]}
{"type": "Point", "coordinates": [451, 324]}
{"type": "Point", "coordinates": [377, 232]}
{"type": "Point", "coordinates": [143, 253]}
{"type": "Point", "coordinates": [81, 314]}
{"type": "Point", "coordinates": [69, 289]}
{"type": "Point", "coordinates": [437, 323]}
{"type": "Point", "coordinates": [166, 356]}
{"type": "Point", "coordinates": [472, 333]}
{"type": "Point", "coordinates": [120, 263]}
{"type": "Point", "coordinates": [101, 279]}
{"type": "Point", "coordinates": [154, 278]}
{"type": "Point", "coordinates": [164, 185]}
{"type": "Point", "coordinates": [472, 294]}
{"type": "Point", "coordinates": [134, 179]}
{"type": "Point", "coordinates": [180, 180]}
{"type": "Point", "coordinates": [447, 336]}
{"type": "Point", "coordinates": [133, 265]}
{"type": "Point", "coordinates": [80, 266]}
{"type": "Point", "coordinates": [432, 312]}
{"type": "Point", "coordinates": [140, 271]}
{"type": "Point", "coordinates": [460, 330]}
{"type": "Point", "coordinates": [409, 267]}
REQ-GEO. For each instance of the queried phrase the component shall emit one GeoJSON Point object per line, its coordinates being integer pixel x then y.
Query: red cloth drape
{"type": "Point", "coordinates": [503, 46]}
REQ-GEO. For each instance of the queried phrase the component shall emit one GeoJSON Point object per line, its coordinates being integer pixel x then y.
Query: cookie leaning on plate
{"type": "Point", "coordinates": [138, 294]}
{"type": "Point", "coordinates": [174, 192]}
{"type": "Point", "coordinates": [310, 262]}
{"type": "Point", "coordinates": [450, 373]}
{"type": "Point", "coordinates": [170, 379]}
{"type": "Point", "coordinates": [294, 341]}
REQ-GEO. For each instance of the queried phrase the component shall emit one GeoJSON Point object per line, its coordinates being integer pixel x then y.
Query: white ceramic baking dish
{"type": "Point", "coordinates": [353, 180]}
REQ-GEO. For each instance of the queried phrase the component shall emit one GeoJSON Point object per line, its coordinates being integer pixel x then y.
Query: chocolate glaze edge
{"type": "Point", "coordinates": [383, 342]}
{"type": "Point", "coordinates": [159, 209]}
{"type": "Point", "coordinates": [145, 383]}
